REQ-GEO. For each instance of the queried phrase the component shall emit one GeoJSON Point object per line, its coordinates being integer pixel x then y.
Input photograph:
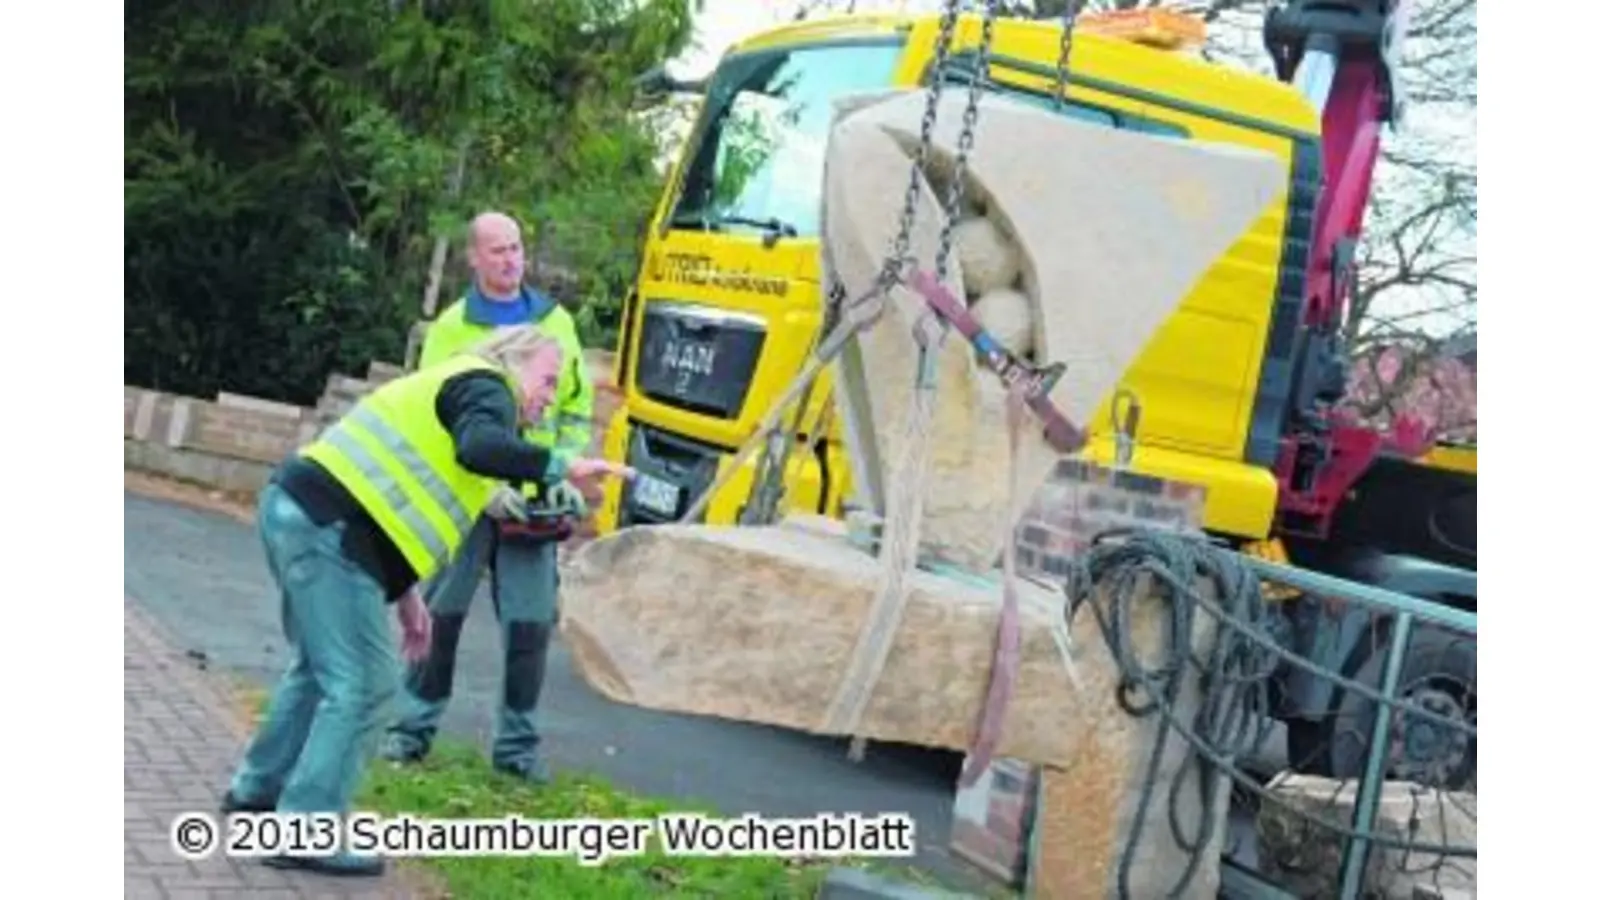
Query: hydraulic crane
{"type": "Point", "coordinates": [1341, 54]}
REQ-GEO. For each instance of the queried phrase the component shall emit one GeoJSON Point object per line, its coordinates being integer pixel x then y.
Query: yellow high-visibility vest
{"type": "Point", "coordinates": [395, 458]}
{"type": "Point", "coordinates": [569, 419]}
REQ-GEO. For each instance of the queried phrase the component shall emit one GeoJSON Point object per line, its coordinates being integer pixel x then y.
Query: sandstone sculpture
{"type": "Point", "coordinates": [1103, 232]}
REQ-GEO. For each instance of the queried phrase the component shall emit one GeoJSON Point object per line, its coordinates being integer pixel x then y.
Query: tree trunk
{"type": "Point", "coordinates": [441, 252]}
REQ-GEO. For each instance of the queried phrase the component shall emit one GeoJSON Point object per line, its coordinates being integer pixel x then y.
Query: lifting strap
{"type": "Point", "coordinates": [1008, 640]}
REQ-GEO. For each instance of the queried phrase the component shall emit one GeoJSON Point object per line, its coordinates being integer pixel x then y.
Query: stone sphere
{"type": "Point", "coordinates": [989, 258]}
{"type": "Point", "coordinates": [1007, 314]}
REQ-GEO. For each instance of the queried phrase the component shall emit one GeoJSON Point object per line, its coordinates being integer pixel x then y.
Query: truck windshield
{"type": "Point", "coordinates": [759, 165]}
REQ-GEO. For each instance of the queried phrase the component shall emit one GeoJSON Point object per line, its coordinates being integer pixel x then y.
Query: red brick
{"type": "Point", "coordinates": [244, 433]}
{"type": "Point", "coordinates": [180, 740]}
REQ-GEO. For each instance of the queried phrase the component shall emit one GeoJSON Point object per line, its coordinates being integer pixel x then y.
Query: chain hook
{"type": "Point", "coordinates": [1125, 412]}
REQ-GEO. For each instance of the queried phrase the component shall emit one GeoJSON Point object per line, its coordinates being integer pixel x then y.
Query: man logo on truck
{"type": "Point", "coordinates": [686, 359]}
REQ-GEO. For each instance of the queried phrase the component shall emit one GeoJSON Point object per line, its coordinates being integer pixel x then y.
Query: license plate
{"type": "Point", "coordinates": [655, 496]}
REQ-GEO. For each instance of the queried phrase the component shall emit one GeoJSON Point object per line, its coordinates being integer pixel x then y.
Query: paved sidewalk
{"type": "Point", "coordinates": [181, 737]}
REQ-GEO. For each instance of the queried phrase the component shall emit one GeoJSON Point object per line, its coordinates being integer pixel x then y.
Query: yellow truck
{"type": "Point", "coordinates": [728, 302]}
{"type": "Point", "coordinates": [1236, 388]}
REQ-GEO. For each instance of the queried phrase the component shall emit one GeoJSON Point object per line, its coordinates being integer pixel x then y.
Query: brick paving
{"type": "Point", "coordinates": [181, 737]}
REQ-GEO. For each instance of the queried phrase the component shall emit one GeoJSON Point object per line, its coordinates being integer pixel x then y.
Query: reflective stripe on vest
{"type": "Point", "coordinates": [398, 462]}
{"type": "Point", "coordinates": [340, 436]}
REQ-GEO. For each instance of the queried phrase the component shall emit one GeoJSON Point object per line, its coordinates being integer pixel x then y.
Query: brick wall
{"type": "Point", "coordinates": [233, 441]}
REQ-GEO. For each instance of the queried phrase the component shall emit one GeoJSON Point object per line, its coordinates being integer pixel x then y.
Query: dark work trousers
{"type": "Point", "coordinates": [524, 582]}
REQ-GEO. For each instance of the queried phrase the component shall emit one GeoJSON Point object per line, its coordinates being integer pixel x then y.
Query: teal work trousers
{"type": "Point", "coordinates": [327, 710]}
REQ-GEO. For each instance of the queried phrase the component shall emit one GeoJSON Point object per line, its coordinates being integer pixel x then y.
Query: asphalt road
{"type": "Point", "coordinates": [203, 577]}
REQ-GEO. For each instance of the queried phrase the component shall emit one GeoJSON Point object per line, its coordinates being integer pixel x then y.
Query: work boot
{"type": "Point", "coordinates": [343, 864]}
{"type": "Point", "coordinates": [232, 804]}
{"type": "Point", "coordinates": [403, 748]}
{"type": "Point", "coordinates": [532, 769]}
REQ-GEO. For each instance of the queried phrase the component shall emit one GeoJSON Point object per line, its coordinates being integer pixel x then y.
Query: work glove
{"type": "Point", "coordinates": [564, 498]}
{"type": "Point", "coordinates": [507, 505]}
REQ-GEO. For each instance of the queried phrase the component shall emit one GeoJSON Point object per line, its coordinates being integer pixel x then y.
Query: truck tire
{"type": "Point", "coordinates": [1440, 674]}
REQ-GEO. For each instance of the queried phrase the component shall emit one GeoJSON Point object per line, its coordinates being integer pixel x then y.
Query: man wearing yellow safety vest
{"type": "Point", "coordinates": [354, 522]}
{"type": "Point", "coordinates": [519, 547]}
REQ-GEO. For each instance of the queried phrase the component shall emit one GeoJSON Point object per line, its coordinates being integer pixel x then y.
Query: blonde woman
{"type": "Point", "coordinates": [354, 522]}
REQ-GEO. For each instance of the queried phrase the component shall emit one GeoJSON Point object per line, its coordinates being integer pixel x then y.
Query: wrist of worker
{"type": "Point", "coordinates": [556, 471]}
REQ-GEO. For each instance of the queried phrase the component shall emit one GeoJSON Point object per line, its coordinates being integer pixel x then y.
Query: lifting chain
{"type": "Point", "coordinates": [969, 124]}
{"type": "Point", "coordinates": [1069, 21]}
{"type": "Point", "coordinates": [900, 252]}
{"type": "Point", "coordinates": [777, 442]}
{"type": "Point", "coordinates": [899, 257]}
{"type": "Point", "coordinates": [898, 549]}
{"type": "Point", "coordinates": [931, 329]}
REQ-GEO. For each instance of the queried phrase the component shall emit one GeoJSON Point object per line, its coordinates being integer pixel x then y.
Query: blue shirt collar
{"type": "Point", "coordinates": [529, 306]}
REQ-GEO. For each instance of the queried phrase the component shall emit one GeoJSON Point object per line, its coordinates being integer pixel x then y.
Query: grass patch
{"type": "Point", "coordinates": [455, 782]}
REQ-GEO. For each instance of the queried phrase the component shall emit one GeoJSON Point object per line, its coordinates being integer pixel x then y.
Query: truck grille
{"type": "Point", "coordinates": [697, 358]}
{"type": "Point", "coordinates": [672, 472]}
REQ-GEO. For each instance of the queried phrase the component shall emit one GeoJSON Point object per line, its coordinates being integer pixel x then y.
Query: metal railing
{"type": "Point", "coordinates": [1402, 614]}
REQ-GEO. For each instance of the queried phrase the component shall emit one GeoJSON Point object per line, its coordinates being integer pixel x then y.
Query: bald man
{"type": "Point", "coordinates": [518, 549]}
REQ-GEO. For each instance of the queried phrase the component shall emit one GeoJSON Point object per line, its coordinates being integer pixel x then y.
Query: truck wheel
{"type": "Point", "coordinates": [1440, 675]}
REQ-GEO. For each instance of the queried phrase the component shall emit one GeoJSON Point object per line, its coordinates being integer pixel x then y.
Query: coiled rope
{"type": "Point", "coordinates": [1232, 720]}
